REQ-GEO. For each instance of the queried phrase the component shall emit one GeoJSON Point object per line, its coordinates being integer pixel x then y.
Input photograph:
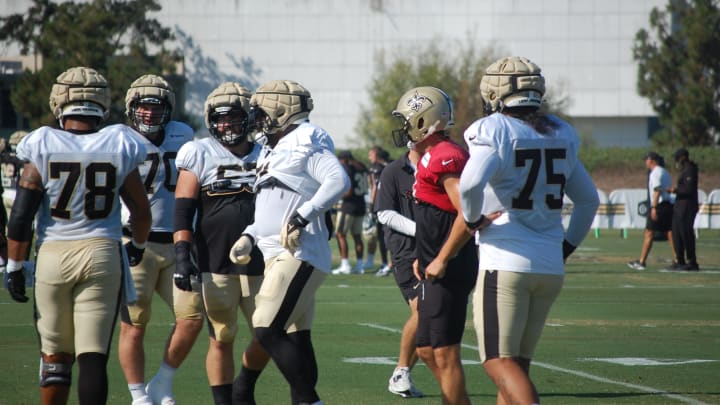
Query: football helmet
{"type": "Point", "coordinates": [15, 138]}
{"type": "Point", "coordinates": [278, 104]}
{"type": "Point", "coordinates": [229, 100]}
{"type": "Point", "coordinates": [153, 90]}
{"type": "Point", "coordinates": [422, 111]}
{"type": "Point", "coordinates": [512, 82]}
{"type": "Point", "coordinates": [80, 91]}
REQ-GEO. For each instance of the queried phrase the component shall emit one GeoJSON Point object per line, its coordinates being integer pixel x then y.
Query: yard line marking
{"type": "Point", "coordinates": [576, 373]}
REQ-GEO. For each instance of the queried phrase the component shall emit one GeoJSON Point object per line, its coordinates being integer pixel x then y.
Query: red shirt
{"type": "Point", "coordinates": [446, 157]}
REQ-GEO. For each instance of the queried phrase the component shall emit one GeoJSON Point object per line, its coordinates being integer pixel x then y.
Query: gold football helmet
{"type": "Point", "coordinates": [154, 90]}
{"type": "Point", "coordinates": [422, 111]}
{"type": "Point", "coordinates": [278, 104]}
{"type": "Point", "coordinates": [230, 100]}
{"type": "Point", "coordinates": [512, 82]}
{"type": "Point", "coordinates": [80, 91]}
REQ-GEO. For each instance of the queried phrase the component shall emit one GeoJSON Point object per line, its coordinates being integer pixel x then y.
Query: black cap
{"type": "Point", "coordinates": [346, 154]}
{"type": "Point", "coordinates": [681, 152]}
{"type": "Point", "coordinates": [653, 156]}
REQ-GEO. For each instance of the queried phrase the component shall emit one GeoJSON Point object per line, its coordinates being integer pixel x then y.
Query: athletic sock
{"type": "Point", "coordinates": [244, 386]}
{"type": "Point", "coordinates": [222, 394]}
{"type": "Point", "coordinates": [137, 391]}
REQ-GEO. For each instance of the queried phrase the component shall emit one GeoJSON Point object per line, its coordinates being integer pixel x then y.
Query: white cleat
{"type": "Point", "coordinates": [401, 384]}
{"type": "Point", "coordinates": [144, 400]}
{"type": "Point", "coordinates": [159, 395]}
{"type": "Point", "coordinates": [342, 270]}
{"type": "Point", "coordinates": [383, 271]}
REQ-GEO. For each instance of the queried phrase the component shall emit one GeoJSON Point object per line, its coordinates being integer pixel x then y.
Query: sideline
{"type": "Point", "coordinates": [582, 374]}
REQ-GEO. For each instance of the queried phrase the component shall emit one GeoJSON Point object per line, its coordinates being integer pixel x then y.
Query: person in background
{"type": "Point", "coordinates": [74, 178]}
{"type": "Point", "coordinates": [379, 159]}
{"type": "Point", "coordinates": [661, 209]}
{"type": "Point", "coordinates": [394, 205]}
{"type": "Point", "coordinates": [521, 163]}
{"type": "Point", "coordinates": [351, 214]}
{"type": "Point", "coordinates": [299, 178]}
{"type": "Point", "coordinates": [684, 211]}
{"type": "Point", "coordinates": [214, 203]}
{"type": "Point", "coordinates": [10, 171]}
{"type": "Point", "coordinates": [446, 271]}
{"type": "Point", "coordinates": [149, 103]}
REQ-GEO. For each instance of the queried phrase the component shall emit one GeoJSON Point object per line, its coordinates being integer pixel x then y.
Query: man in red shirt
{"type": "Point", "coordinates": [447, 272]}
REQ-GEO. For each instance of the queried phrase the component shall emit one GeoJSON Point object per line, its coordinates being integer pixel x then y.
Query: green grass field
{"type": "Point", "coordinates": [615, 336]}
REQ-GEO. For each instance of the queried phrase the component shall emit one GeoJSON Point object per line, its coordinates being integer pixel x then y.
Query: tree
{"type": "Point", "coordinates": [679, 70]}
{"type": "Point", "coordinates": [113, 37]}
{"type": "Point", "coordinates": [457, 73]}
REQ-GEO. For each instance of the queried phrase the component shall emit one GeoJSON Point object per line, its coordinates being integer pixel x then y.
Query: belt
{"type": "Point", "coordinates": [155, 237]}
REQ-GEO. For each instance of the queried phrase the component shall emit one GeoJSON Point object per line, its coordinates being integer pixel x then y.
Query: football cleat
{"type": "Point", "coordinates": [636, 265]}
{"type": "Point", "coordinates": [401, 383]}
{"type": "Point", "coordinates": [342, 270]}
{"type": "Point", "coordinates": [383, 271]}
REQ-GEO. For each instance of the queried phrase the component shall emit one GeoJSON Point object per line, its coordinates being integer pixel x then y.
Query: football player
{"type": "Point", "coordinates": [394, 205]}
{"type": "Point", "coordinates": [351, 214]}
{"type": "Point", "coordinates": [73, 179]}
{"type": "Point", "coordinates": [11, 168]}
{"type": "Point", "coordinates": [379, 159]}
{"type": "Point", "coordinates": [299, 180]}
{"type": "Point", "coordinates": [521, 163]}
{"type": "Point", "coordinates": [149, 103]}
{"type": "Point", "coordinates": [214, 203]}
{"type": "Point", "coordinates": [447, 271]}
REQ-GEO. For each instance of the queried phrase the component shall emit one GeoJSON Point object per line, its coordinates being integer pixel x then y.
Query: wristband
{"type": "Point", "coordinates": [13, 266]}
{"type": "Point", "coordinates": [475, 225]}
{"type": "Point", "coordinates": [140, 246]}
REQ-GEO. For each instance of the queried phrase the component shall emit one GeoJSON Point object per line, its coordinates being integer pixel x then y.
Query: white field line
{"type": "Point", "coordinates": [582, 374]}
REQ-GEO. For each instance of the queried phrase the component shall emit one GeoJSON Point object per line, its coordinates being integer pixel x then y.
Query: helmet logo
{"type": "Point", "coordinates": [416, 101]}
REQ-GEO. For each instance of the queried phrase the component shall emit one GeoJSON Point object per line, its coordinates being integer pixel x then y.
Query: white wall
{"type": "Point", "coordinates": [328, 45]}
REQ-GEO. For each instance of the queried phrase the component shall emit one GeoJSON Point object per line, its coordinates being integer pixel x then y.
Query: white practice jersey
{"type": "Point", "coordinates": [82, 176]}
{"type": "Point", "coordinates": [309, 180]}
{"type": "Point", "coordinates": [525, 175]}
{"type": "Point", "coordinates": [659, 178]}
{"type": "Point", "coordinates": [216, 167]}
{"type": "Point", "coordinates": [159, 174]}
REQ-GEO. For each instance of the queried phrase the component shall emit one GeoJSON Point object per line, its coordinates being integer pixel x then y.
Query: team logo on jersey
{"type": "Point", "coordinates": [416, 101]}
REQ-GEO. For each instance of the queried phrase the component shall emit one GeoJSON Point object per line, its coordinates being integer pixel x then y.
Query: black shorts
{"type": "Point", "coordinates": [442, 309]}
{"type": "Point", "coordinates": [405, 279]}
{"type": "Point", "coordinates": [664, 212]}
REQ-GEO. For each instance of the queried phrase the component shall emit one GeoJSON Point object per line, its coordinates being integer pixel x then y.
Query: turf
{"type": "Point", "coordinates": [615, 336]}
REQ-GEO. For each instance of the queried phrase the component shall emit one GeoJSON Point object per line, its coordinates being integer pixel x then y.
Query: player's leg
{"type": "Point", "coordinates": [285, 304]}
{"type": "Point", "coordinates": [400, 381]}
{"type": "Point", "coordinates": [134, 319]}
{"type": "Point", "coordinates": [221, 295]}
{"type": "Point", "coordinates": [255, 357]}
{"type": "Point", "coordinates": [96, 306]}
{"type": "Point", "coordinates": [187, 306]}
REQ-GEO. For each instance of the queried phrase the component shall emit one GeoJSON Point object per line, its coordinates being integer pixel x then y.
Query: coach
{"type": "Point", "coordinates": [684, 211]}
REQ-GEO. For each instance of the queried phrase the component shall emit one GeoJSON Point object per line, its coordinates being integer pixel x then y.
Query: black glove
{"type": "Point", "coordinates": [16, 285]}
{"type": "Point", "coordinates": [567, 249]}
{"type": "Point", "coordinates": [134, 253]}
{"type": "Point", "coordinates": [184, 267]}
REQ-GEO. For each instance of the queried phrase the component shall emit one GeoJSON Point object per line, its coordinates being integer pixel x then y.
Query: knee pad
{"type": "Point", "coordinates": [55, 373]}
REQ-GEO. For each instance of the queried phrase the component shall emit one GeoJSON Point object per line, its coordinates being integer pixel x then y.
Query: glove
{"type": "Point", "coordinates": [134, 252]}
{"type": "Point", "coordinates": [290, 234]}
{"type": "Point", "coordinates": [184, 268]}
{"type": "Point", "coordinates": [16, 284]}
{"type": "Point", "coordinates": [567, 249]}
{"type": "Point", "coordinates": [240, 250]}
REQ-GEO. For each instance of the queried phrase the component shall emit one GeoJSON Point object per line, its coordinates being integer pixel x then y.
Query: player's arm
{"type": "Point", "coordinates": [133, 195]}
{"type": "Point", "coordinates": [581, 190]}
{"type": "Point", "coordinates": [187, 193]}
{"type": "Point", "coordinates": [29, 196]}
{"type": "Point", "coordinates": [326, 169]}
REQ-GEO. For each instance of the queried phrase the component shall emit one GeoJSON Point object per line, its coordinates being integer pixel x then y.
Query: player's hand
{"type": "Point", "coordinates": [290, 234]}
{"type": "Point", "coordinates": [416, 269]}
{"type": "Point", "coordinates": [436, 269]}
{"type": "Point", "coordinates": [568, 249]}
{"type": "Point", "coordinates": [184, 268]}
{"type": "Point", "coordinates": [483, 222]}
{"type": "Point", "coordinates": [240, 251]}
{"type": "Point", "coordinates": [16, 285]}
{"type": "Point", "coordinates": [134, 253]}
